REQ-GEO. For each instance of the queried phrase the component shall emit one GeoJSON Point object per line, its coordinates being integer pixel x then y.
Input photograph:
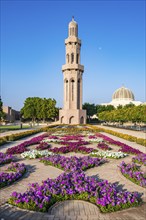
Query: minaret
{"type": "Point", "coordinates": [72, 112]}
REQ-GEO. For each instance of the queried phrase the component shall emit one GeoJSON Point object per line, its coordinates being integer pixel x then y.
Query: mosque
{"type": "Point", "coordinates": [123, 96]}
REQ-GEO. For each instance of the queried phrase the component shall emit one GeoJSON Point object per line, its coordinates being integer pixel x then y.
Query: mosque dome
{"type": "Point", "coordinates": [123, 94]}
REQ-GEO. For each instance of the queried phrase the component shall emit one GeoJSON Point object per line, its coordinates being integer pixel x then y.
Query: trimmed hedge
{"type": "Point", "coordinates": [14, 137]}
{"type": "Point", "coordinates": [140, 141]}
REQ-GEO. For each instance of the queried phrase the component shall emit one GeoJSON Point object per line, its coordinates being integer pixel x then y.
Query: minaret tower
{"type": "Point", "coordinates": [72, 112]}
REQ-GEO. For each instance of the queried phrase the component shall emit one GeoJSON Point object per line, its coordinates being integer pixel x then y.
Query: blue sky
{"type": "Point", "coordinates": [33, 50]}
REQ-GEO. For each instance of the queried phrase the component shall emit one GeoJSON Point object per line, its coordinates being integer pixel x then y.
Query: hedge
{"type": "Point", "coordinates": [140, 141]}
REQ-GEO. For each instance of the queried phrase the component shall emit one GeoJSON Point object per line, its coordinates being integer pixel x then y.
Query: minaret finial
{"type": "Point", "coordinates": [72, 18]}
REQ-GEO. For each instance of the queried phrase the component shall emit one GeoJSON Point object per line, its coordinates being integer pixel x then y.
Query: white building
{"type": "Point", "coordinates": [122, 96]}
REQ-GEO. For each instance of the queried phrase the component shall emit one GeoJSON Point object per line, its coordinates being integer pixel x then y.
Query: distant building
{"type": "Point", "coordinates": [11, 114]}
{"type": "Point", "coordinates": [123, 96]}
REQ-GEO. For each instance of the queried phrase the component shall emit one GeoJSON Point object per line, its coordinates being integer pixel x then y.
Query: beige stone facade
{"type": "Point", "coordinates": [11, 114]}
{"type": "Point", "coordinates": [72, 112]}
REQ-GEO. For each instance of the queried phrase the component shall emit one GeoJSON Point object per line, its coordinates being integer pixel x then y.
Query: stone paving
{"type": "Point", "coordinates": [138, 134]}
{"type": "Point", "coordinates": [73, 209]}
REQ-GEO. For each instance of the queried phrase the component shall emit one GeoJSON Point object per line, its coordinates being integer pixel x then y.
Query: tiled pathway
{"type": "Point", "coordinates": [71, 210]}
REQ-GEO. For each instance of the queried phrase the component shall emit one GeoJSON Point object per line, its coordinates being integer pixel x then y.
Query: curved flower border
{"type": "Point", "coordinates": [133, 173]}
{"type": "Point", "coordinates": [17, 171]}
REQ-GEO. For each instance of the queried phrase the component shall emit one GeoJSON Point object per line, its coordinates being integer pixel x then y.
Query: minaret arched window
{"type": "Point", "coordinates": [78, 98]}
{"type": "Point", "coordinates": [67, 58]}
{"type": "Point", "coordinates": [72, 58]}
{"type": "Point", "coordinates": [77, 58]}
{"type": "Point", "coordinates": [73, 31]}
{"type": "Point", "coordinates": [66, 85]}
{"type": "Point", "coordinates": [72, 89]}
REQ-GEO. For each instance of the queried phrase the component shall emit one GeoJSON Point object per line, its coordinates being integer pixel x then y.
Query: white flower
{"type": "Point", "coordinates": [109, 154]}
{"type": "Point", "coordinates": [32, 154]}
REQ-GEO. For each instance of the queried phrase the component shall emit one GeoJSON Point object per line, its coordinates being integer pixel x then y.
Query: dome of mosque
{"type": "Point", "coordinates": [123, 94]}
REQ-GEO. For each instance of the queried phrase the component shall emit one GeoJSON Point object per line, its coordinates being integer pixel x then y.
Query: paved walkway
{"type": "Point", "coordinates": [72, 210]}
{"type": "Point", "coordinates": [14, 143]}
{"type": "Point", "coordinates": [138, 134]}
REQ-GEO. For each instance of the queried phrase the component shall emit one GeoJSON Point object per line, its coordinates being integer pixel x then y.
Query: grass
{"type": "Point", "coordinates": [12, 127]}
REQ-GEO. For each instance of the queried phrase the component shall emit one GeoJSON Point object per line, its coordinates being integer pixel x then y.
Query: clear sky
{"type": "Point", "coordinates": [33, 50]}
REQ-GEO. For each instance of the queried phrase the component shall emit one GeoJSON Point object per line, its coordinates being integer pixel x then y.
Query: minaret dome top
{"type": "Point", "coordinates": [73, 28]}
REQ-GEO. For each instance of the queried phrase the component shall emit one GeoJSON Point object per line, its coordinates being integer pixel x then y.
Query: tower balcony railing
{"type": "Point", "coordinates": [69, 66]}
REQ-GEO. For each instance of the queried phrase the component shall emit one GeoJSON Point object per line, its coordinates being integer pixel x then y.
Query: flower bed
{"type": "Point", "coordinates": [108, 154]}
{"type": "Point", "coordinates": [17, 171]}
{"type": "Point", "coordinates": [35, 154]}
{"type": "Point", "coordinates": [94, 139]}
{"type": "Point", "coordinates": [22, 147]}
{"type": "Point", "coordinates": [72, 137]}
{"type": "Point", "coordinates": [74, 185]}
{"type": "Point", "coordinates": [141, 159]}
{"type": "Point", "coordinates": [124, 147]}
{"type": "Point", "coordinates": [5, 158]}
{"type": "Point", "coordinates": [76, 149]}
{"type": "Point", "coordinates": [43, 146]}
{"type": "Point", "coordinates": [72, 163]}
{"type": "Point", "coordinates": [133, 173]}
{"type": "Point", "coordinates": [74, 143]}
{"type": "Point", "coordinates": [103, 146]}
{"type": "Point", "coordinates": [49, 140]}
{"type": "Point", "coordinates": [17, 136]}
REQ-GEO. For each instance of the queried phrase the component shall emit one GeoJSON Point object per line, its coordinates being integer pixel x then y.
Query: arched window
{"type": "Point", "coordinates": [73, 31]}
{"type": "Point", "coordinates": [66, 90]}
{"type": "Point", "coordinates": [78, 98]}
{"type": "Point", "coordinates": [72, 89]}
{"type": "Point", "coordinates": [77, 58]}
{"type": "Point", "coordinates": [72, 58]}
{"type": "Point", "coordinates": [67, 58]}
{"type": "Point", "coordinates": [62, 118]}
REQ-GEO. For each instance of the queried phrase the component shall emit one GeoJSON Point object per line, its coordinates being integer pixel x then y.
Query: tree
{"type": "Point", "coordinates": [39, 108]}
{"type": "Point", "coordinates": [101, 108]}
{"type": "Point", "coordinates": [90, 108]}
{"type": "Point", "coordinates": [30, 109]}
{"type": "Point", "coordinates": [2, 114]}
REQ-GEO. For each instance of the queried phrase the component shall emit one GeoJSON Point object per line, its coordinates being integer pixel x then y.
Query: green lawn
{"type": "Point", "coordinates": [12, 127]}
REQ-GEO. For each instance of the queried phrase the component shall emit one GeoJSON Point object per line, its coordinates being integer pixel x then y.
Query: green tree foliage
{"type": "Point", "coordinates": [101, 108]}
{"type": "Point", "coordinates": [39, 108]}
{"type": "Point", "coordinates": [128, 113]}
{"type": "Point", "coordinates": [2, 114]}
{"type": "Point", "coordinates": [90, 108]}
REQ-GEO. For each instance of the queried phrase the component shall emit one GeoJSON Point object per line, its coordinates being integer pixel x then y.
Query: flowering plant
{"type": "Point", "coordinates": [133, 173]}
{"type": "Point", "coordinates": [74, 143]}
{"type": "Point", "coordinates": [5, 158]}
{"type": "Point", "coordinates": [108, 154]}
{"type": "Point", "coordinates": [72, 137]}
{"type": "Point", "coordinates": [43, 146]}
{"type": "Point", "coordinates": [103, 146]}
{"type": "Point", "coordinates": [124, 147]}
{"type": "Point", "coordinates": [17, 171]}
{"type": "Point", "coordinates": [74, 185]}
{"type": "Point", "coordinates": [141, 159]}
{"type": "Point", "coordinates": [94, 138]}
{"type": "Point", "coordinates": [72, 148]}
{"type": "Point", "coordinates": [22, 147]}
{"type": "Point", "coordinates": [72, 163]}
{"type": "Point", "coordinates": [35, 154]}
{"type": "Point", "coordinates": [54, 140]}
